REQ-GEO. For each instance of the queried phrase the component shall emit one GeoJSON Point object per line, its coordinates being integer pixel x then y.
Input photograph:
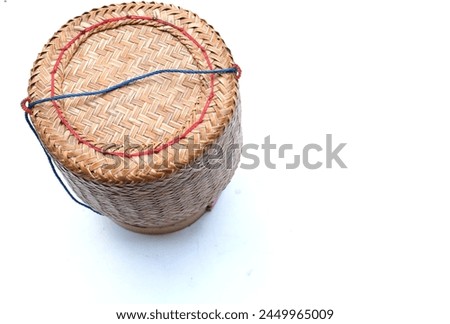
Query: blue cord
{"type": "Point", "coordinates": [129, 81]}
{"type": "Point", "coordinates": [52, 165]}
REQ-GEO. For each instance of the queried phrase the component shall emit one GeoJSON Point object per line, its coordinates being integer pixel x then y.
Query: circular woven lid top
{"type": "Point", "coordinates": [149, 128]}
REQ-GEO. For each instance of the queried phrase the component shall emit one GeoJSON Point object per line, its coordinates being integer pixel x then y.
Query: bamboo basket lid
{"type": "Point", "coordinates": [144, 131]}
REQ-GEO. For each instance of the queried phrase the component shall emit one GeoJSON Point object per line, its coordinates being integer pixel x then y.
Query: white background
{"type": "Point", "coordinates": [371, 242]}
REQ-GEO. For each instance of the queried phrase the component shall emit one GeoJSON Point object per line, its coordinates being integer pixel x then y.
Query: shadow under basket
{"type": "Point", "coordinates": [152, 154]}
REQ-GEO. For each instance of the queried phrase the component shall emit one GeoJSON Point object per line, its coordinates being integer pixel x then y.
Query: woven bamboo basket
{"type": "Point", "coordinates": [155, 154]}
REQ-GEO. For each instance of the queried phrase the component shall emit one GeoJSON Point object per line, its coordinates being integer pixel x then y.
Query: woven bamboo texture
{"type": "Point", "coordinates": [105, 165]}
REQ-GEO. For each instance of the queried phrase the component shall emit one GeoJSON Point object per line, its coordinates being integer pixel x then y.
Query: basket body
{"type": "Point", "coordinates": [155, 154]}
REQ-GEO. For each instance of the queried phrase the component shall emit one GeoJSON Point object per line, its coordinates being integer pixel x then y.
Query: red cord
{"type": "Point", "coordinates": [124, 154]}
{"type": "Point", "coordinates": [24, 104]}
